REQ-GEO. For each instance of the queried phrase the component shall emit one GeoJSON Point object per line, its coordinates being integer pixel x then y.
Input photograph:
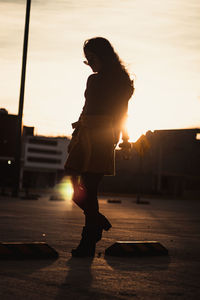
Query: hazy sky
{"type": "Point", "coordinates": [159, 40]}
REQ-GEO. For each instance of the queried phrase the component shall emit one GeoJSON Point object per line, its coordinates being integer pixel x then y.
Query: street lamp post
{"type": "Point", "coordinates": [21, 103]}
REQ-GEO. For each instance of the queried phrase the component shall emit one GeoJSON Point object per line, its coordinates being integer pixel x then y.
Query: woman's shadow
{"type": "Point", "coordinates": [78, 279]}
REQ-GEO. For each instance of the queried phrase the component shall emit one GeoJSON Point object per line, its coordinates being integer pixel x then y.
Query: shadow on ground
{"type": "Point", "coordinates": [9, 267]}
{"type": "Point", "coordinates": [79, 281]}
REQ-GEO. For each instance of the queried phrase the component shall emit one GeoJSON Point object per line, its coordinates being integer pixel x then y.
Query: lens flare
{"type": "Point", "coordinates": [65, 189]}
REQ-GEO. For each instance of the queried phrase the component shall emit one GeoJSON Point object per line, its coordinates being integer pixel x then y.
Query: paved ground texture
{"type": "Point", "coordinates": [174, 223]}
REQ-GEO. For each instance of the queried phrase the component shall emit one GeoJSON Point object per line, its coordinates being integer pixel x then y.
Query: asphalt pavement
{"type": "Point", "coordinates": [174, 223]}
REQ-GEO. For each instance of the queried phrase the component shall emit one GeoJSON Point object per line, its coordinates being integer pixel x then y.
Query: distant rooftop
{"type": "Point", "coordinates": [191, 130]}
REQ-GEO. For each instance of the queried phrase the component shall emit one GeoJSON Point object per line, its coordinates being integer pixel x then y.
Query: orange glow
{"type": "Point", "coordinates": [147, 35]}
{"type": "Point", "coordinates": [65, 189]}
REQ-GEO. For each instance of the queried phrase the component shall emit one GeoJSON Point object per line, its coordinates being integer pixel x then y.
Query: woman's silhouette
{"type": "Point", "coordinates": [96, 134]}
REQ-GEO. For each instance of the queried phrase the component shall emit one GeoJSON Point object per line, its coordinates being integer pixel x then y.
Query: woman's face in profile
{"type": "Point", "coordinates": [92, 61]}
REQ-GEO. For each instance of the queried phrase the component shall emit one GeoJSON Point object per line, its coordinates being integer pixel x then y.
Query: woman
{"type": "Point", "coordinates": [96, 134]}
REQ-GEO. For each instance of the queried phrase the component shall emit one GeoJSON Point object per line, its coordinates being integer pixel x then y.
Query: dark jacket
{"type": "Point", "coordinates": [98, 130]}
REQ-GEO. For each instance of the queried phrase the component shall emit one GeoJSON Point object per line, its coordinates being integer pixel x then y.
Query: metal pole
{"type": "Point", "coordinates": [21, 103]}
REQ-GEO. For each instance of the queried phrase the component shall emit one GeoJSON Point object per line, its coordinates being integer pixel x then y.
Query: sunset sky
{"type": "Point", "coordinates": [159, 41]}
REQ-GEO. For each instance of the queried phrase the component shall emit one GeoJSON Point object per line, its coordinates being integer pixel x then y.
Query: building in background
{"type": "Point", "coordinates": [163, 162]}
{"type": "Point", "coordinates": [8, 125]}
{"type": "Point", "coordinates": [42, 158]}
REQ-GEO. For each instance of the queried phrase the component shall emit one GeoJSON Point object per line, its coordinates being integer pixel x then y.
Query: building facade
{"type": "Point", "coordinates": [8, 125]}
{"type": "Point", "coordinates": [43, 159]}
{"type": "Point", "coordinates": [163, 162]}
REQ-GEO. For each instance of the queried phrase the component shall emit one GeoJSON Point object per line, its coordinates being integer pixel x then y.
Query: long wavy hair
{"type": "Point", "coordinates": [105, 52]}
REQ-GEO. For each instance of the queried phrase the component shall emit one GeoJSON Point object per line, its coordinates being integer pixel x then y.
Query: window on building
{"type": "Point", "coordinates": [45, 151]}
{"type": "Point", "coordinates": [43, 142]}
{"type": "Point", "coordinates": [44, 160]}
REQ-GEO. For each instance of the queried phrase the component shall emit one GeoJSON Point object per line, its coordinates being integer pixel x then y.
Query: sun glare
{"type": "Point", "coordinates": [135, 130]}
{"type": "Point", "coordinates": [65, 189]}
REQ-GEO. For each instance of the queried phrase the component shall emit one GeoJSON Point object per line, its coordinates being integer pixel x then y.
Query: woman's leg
{"type": "Point", "coordinates": [85, 196]}
{"type": "Point", "coordinates": [94, 221]}
{"type": "Point", "coordinates": [90, 183]}
{"type": "Point", "coordinates": [79, 193]}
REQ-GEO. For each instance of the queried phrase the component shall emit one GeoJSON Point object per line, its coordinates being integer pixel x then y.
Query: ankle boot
{"type": "Point", "coordinates": [104, 223]}
{"type": "Point", "coordinates": [87, 245]}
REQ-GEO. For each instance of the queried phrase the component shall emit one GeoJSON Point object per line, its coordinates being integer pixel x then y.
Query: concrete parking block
{"type": "Point", "coordinates": [136, 248]}
{"type": "Point", "coordinates": [33, 250]}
